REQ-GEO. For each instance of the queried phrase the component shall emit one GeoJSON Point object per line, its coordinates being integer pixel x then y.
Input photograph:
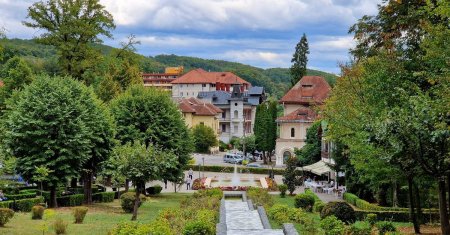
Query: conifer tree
{"type": "Point", "coordinates": [299, 60]}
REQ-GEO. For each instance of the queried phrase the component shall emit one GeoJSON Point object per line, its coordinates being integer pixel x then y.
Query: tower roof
{"type": "Point", "coordinates": [310, 89]}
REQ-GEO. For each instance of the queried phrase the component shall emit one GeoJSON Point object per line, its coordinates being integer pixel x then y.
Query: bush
{"type": "Point", "coordinates": [103, 197]}
{"type": "Point", "coordinates": [371, 219]}
{"type": "Point", "coordinates": [350, 198]}
{"type": "Point", "coordinates": [384, 227]}
{"type": "Point", "coordinates": [397, 216]}
{"type": "Point", "coordinates": [127, 201]}
{"type": "Point", "coordinates": [282, 213]}
{"type": "Point", "coordinates": [198, 227]}
{"type": "Point", "coordinates": [20, 196]}
{"type": "Point", "coordinates": [37, 212]}
{"type": "Point", "coordinates": [283, 188]}
{"type": "Point", "coordinates": [71, 200]}
{"type": "Point", "coordinates": [153, 190]}
{"type": "Point", "coordinates": [332, 226]}
{"type": "Point", "coordinates": [360, 228]}
{"type": "Point", "coordinates": [60, 226]}
{"type": "Point", "coordinates": [6, 204]}
{"type": "Point", "coordinates": [215, 193]}
{"type": "Point", "coordinates": [304, 201]}
{"type": "Point", "coordinates": [5, 215]}
{"type": "Point", "coordinates": [318, 206]}
{"type": "Point", "coordinates": [79, 213]}
{"type": "Point", "coordinates": [260, 197]}
{"type": "Point", "coordinates": [342, 210]}
{"type": "Point", "coordinates": [25, 205]}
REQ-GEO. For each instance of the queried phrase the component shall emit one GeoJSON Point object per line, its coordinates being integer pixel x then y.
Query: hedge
{"type": "Point", "coordinates": [231, 169]}
{"type": "Point", "coordinates": [20, 196]}
{"type": "Point", "coordinates": [103, 197]}
{"type": "Point", "coordinates": [5, 204]}
{"type": "Point", "coordinates": [23, 205]}
{"type": "Point", "coordinates": [396, 216]}
{"type": "Point", "coordinates": [71, 200]}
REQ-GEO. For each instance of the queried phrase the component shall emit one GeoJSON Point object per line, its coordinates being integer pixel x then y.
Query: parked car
{"type": "Point", "coordinates": [254, 165]}
{"type": "Point", "coordinates": [232, 158]}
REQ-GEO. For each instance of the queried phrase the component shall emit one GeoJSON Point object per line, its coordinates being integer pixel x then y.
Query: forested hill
{"type": "Point", "coordinates": [275, 80]}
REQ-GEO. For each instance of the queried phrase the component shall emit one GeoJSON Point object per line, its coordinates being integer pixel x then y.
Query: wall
{"type": "Point", "coordinates": [300, 130]}
{"type": "Point", "coordinates": [189, 90]}
{"type": "Point", "coordinates": [289, 108]}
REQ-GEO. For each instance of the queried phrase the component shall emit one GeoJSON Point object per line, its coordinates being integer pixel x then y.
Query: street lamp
{"type": "Point", "coordinates": [203, 170]}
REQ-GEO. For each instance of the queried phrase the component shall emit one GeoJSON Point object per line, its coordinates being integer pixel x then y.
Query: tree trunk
{"type": "Point", "coordinates": [445, 226]}
{"type": "Point", "coordinates": [87, 187]}
{"type": "Point", "coordinates": [136, 202]}
{"type": "Point", "coordinates": [175, 186]}
{"type": "Point", "coordinates": [418, 204]}
{"type": "Point", "coordinates": [270, 156]}
{"type": "Point", "coordinates": [264, 157]}
{"type": "Point", "coordinates": [382, 195]}
{"type": "Point", "coordinates": [127, 182]}
{"type": "Point", "coordinates": [53, 203]}
{"type": "Point", "coordinates": [395, 194]}
{"type": "Point", "coordinates": [412, 214]}
{"type": "Point", "coordinates": [448, 184]}
{"type": "Point", "coordinates": [73, 183]}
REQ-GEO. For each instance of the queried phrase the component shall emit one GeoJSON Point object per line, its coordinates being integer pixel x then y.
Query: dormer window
{"type": "Point", "coordinates": [307, 85]}
{"type": "Point", "coordinates": [302, 114]}
{"type": "Point", "coordinates": [307, 97]}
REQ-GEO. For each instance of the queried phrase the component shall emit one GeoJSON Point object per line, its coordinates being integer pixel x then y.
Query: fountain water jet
{"type": "Point", "coordinates": [235, 181]}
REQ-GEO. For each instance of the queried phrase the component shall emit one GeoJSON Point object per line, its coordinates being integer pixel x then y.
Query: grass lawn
{"type": "Point", "coordinates": [100, 219]}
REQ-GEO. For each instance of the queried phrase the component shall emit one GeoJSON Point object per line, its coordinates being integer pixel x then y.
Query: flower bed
{"type": "Point", "coordinates": [198, 183]}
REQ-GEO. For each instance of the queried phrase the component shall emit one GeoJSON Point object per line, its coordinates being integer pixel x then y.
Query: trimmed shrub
{"type": "Point", "coordinates": [304, 201]}
{"type": "Point", "coordinates": [71, 200]}
{"type": "Point", "coordinates": [260, 197]}
{"type": "Point", "coordinates": [371, 219]}
{"type": "Point", "coordinates": [153, 190]}
{"type": "Point", "coordinates": [385, 226]}
{"type": "Point", "coordinates": [283, 188]}
{"type": "Point", "coordinates": [79, 213]}
{"type": "Point", "coordinates": [360, 228]}
{"type": "Point", "coordinates": [350, 198]}
{"type": "Point", "coordinates": [60, 226]}
{"type": "Point", "coordinates": [318, 206]}
{"type": "Point", "coordinates": [332, 225]}
{"type": "Point", "coordinates": [127, 201]}
{"type": "Point", "coordinates": [20, 196]}
{"type": "Point", "coordinates": [25, 205]}
{"type": "Point", "coordinates": [198, 227]}
{"type": "Point", "coordinates": [342, 210]}
{"type": "Point", "coordinates": [6, 204]}
{"type": "Point", "coordinates": [5, 215]}
{"type": "Point", "coordinates": [215, 193]}
{"type": "Point", "coordinates": [282, 213]}
{"type": "Point", "coordinates": [103, 197]}
{"type": "Point", "coordinates": [397, 216]}
{"type": "Point", "coordinates": [37, 212]}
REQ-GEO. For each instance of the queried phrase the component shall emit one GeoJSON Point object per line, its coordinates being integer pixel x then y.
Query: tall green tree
{"type": "Point", "coordinates": [142, 164]}
{"type": "Point", "coordinates": [71, 26]}
{"type": "Point", "coordinates": [204, 138]}
{"type": "Point", "coordinates": [150, 116]}
{"type": "Point", "coordinates": [290, 174]}
{"type": "Point", "coordinates": [265, 128]}
{"type": "Point", "coordinates": [310, 153]}
{"type": "Point", "coordinates": [299, 60]}
{"type": "Point", "coordinates": [50, 124]}
{"type": "Point", "coordinates": [15, 74]}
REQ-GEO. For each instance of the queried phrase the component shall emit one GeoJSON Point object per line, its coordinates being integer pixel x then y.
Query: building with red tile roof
{"type": "Point", "coordinates": [300, 104]}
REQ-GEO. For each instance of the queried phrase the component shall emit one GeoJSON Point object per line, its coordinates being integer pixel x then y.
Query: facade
{"type": "Point", "coordinates": [239, 109]}
{"type": "Point", "coordinates": [162, 80]}
{"type": "Point", "coordinates": [299, 114]}
{"type": "Point", "coordinates": [199, 80]}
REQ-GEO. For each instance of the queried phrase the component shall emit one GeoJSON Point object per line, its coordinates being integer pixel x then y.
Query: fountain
{"type": "Point", "coordinates": [235, 181]}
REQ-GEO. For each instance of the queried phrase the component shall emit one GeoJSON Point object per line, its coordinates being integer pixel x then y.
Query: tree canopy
{"type": "Point", "coordinates": [204, 138]}
{"type": "Point", "coordinates": [299, 60]}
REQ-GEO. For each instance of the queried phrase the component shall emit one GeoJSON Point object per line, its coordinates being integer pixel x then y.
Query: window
{"type": "Point", "coordinates": [203, 85]}
{"type": "Point", "coordinates": [286, 155]}
{"type": "Point", "coordinates": [224, 128]}
{"type": "Point", "coordinates": [235, 104]}
{"type": "Point", "coordinates": [236, 128]}
{"type": "Point", "coordinates": [307, 85]}
{"type": "Point", "coordinates": [181, 86]}
{"type": "Point", "coordinates": [292, 132]}
{"type": "Point", "coordinates": [202, 123]}
{"type": "Point", "coordinates": [224, 115]}
{"type": "Point", "coordinates": [236, 114]}
{"type": "Point", "coordinates": [213, 85]}
{"type": "Point", "coordinates": [181, 93]}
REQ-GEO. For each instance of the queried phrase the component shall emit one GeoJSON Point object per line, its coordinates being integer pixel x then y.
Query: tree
{"type": "Point", "coordinates": [204, 138]}
{"type": "Point", "coordinates": [41, 175]}
{"type": "Point", "coordinates": [310, 153]}
{"type": "Point", "coordinates": [265, 128]}
{"type": "Point", "coordinates": [71, 26]}
{"type": "Point", "coordinates": [50, 124]}
{"type": "Point", "coordinates": [150, 116]}
{"type": "Point", "coordinates": [15, 75]}
{"type": "Point", "coordinates": [142, 164]}
{"type": "Point", "coordinates": [290, 175]}
{"type": "Point", "coordinates": [299, 60]}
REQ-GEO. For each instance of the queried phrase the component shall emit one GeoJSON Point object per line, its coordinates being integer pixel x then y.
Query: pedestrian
{"type": "Point", "coordinates": [188, 183]}
{"type": "Point", "coordinates": [165, 183]}
{"type": "Point", "coordinates": [190, 173]}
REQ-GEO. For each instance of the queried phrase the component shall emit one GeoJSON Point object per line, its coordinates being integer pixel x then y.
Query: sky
{"type": "Point", "coordinates": [261, 33]}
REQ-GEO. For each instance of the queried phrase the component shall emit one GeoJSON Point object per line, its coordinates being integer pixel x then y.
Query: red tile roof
{"type": "Point", "coordinates": [300, 115]}
{"type": "Point", "coordinates": [196, 106]}
{"type": "Point", "coordinates": [202, 76]}
{"type": "Point", "coordinates": [310, 89]}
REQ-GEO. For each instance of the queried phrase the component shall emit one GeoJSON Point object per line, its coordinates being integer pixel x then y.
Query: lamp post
{"type": "Point", "coordinates": [203, 169]}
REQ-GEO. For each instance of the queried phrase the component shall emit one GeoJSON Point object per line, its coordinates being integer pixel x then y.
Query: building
{"type": "Point", "coordinates": [199, 80]}
{"type": "Point", "coordinates": [239, 108]}
{"type": "Point", "coordinates": [196, 112]}
{"type": "Point", "coordinates": [162, 80]}
{"type": "Point", "coordinates": [299, 114]}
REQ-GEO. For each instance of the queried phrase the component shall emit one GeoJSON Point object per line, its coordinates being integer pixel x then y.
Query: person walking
{"type": "Point", "coordinates": [188, 183]}
{"type": "Point", "coordinates": [190, 173]}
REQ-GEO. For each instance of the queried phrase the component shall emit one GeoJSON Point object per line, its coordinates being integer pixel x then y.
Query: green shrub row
{"type": "Point", "coordinates": [20, 196]}
{"type": "Point", "coordinates": [71, 200]}
{"type": "Point", "coordinates": [23, 205]}
{"type": "Point", "coordinates": [396, 216]}
{"type": "Point", "coordinates": [231, 169]}
{"type": "Point", "coordinates": [103, 197]}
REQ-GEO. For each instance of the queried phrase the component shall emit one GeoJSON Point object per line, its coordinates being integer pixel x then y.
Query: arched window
{"type": "Point", "coordinates": [292, 132]}
{"type": "Point", "coordinates": [236, 114]}
{"type": "Point", "coordinates": [286, 155]}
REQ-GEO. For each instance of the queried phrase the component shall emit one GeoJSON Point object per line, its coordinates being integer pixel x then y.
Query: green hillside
{"type": "Point", "coordinates": [42, 58]}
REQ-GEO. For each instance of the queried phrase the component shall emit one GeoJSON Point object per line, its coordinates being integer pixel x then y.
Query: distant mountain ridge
{"type": "Point", "coordinates": [276, 81]}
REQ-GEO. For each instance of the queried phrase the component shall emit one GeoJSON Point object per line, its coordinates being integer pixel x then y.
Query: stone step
{"type": "Point", "coordinates": [236, 205]}
{"type": "Point", "coordinates": [243, 220]}
{"type": "Point", "coordinates": [255, 232]}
